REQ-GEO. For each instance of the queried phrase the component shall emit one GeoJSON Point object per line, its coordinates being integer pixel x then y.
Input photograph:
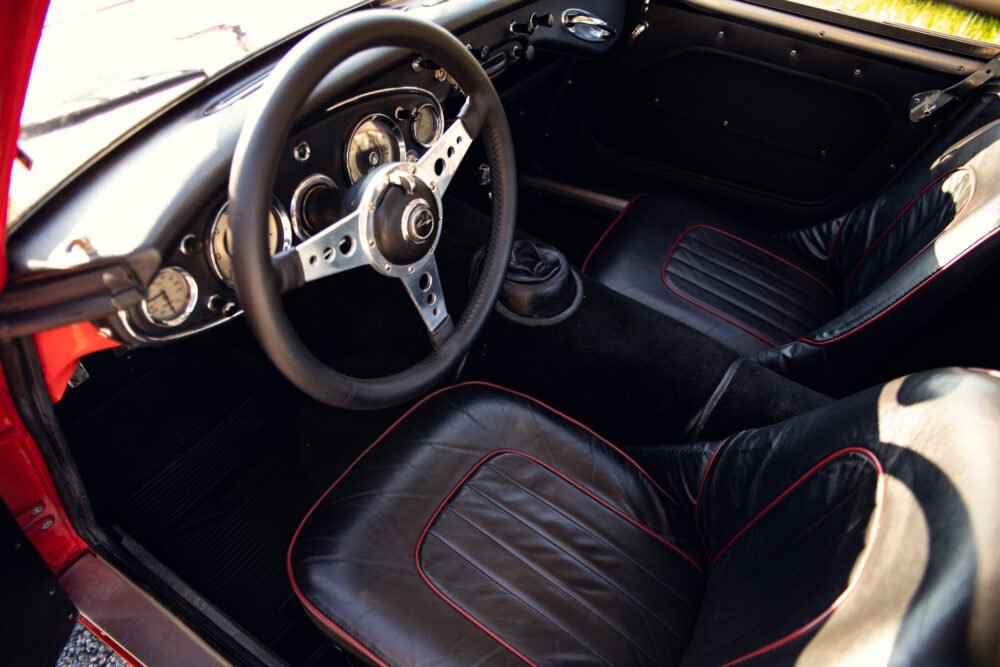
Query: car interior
{"type": "Point", "coordinates": [526, 332]}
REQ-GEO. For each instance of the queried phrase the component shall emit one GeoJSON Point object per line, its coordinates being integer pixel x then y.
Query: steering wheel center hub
{"type": "Point", "coordinates": [405, 216]}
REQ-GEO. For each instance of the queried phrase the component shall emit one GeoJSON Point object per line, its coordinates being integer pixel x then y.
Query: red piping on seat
{"type": "Point", "coordinates": [852, 584]}
{"type": "Point", "coordinates": [583, 267]}
{"type": "Point", "coordinates": [926, 281]}
{"type": "Point", "coordinates": [347, 638]}
{"type": "Point", "coordinates": [902, 213]}
{"type": "Point", "coordinates": [699, 304]}
{"type": "Point", "coordinates": [799, 482]}
{"type": "Point", "coordinates": [457, 607]}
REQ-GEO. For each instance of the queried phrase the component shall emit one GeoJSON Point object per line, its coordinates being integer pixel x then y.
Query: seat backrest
{"type": "Point", "coordinates": [865, 532]}
{"type": "Point", "coordinates": [883, 236]}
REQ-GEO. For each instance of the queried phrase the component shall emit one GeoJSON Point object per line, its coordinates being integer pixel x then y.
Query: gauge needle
{"type": "Point", "coordinates": [160, 295]}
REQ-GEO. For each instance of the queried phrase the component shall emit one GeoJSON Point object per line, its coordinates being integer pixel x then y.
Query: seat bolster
{"type": "Point", "coordinates": [715, 274]}
{"type": "Point", "coordinates": [483, 517]}
{"type": "Point", "coordinates": [861, 533]}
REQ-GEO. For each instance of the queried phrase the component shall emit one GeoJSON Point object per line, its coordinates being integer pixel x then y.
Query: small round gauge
{"type": "Point", "coordinates": [426, 125]}
{"type": "Point", "coordinates": [171, 297]}
{"type": "Point", "coordinates": [220, 241]}
{"type": "Point", "coordinates": [375, 141]}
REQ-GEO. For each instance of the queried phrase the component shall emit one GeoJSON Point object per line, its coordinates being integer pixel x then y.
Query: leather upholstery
{"type": "Point", "coordinates": [484, 528]}
{"type": "Point", "coordinates": [697, 265]}
{"type": "Point", "coordinates": [807, 301]}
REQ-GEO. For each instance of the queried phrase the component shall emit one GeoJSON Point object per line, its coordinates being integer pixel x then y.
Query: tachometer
{"type": "Point", "coordinates": [171, 297]}
{"type": "Point", "coordinates": [375, 141]}
{"type": "Point", "coordinates": [220, 243]}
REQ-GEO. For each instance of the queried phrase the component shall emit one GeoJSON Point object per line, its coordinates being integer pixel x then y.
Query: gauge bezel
{"type": "Point", "coordinates": [396, 131]}
{"type": "Point", "coordinates": [283, 222]}
{"type": "Point", "coordinates": [188, 308]}
{"type": "Point", "coordinates": [438, 124]}
{"type": "Point", "coordinates": [299, 198]}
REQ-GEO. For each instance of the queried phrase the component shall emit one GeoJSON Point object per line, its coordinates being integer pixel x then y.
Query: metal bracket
{"type": "Point", "coordinates": [922, 105]}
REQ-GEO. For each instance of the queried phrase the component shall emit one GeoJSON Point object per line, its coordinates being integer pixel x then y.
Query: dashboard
{"type": "Point", "coordinates": [137, 241]}
{"type": "Point", "coordinates": [194, 290]}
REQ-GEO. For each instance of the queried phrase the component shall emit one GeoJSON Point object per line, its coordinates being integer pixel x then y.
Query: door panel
{"type": "Point", "coordinates": [772, 129]}
{"type": "Point", "coordinates": [775, 128]}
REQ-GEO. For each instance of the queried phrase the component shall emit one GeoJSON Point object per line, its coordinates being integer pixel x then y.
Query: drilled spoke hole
{"type": "Point", "coordinates": [346, 246]}
{"type": "Point", "coordinates": [425, 282]}
{"type": "Point", "coordinates": [329, 254]}
{"type": "Point", "coordinates": [451, 151]}
{"type": "Point", "coordinates": [431, 298]}
{"type": "Point", "coordinates": [312, 260]}
{"type": "Point", "coordinates": [439, 166]}
{"type": "Point", "coordinates": [436, 311]}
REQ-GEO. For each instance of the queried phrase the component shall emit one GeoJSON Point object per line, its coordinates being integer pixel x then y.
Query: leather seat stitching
{"type": "Point", "coordinates": [516, 597]}
{"type": "Point", "coordinates": [586, 566]}
{"type": "Point", "coordinates": [555, 584]}
{"type": "Point", "coordinates": [759, 249]}
{"type": "Point", "coordinates": [733, 305]}
{"type": "Point", "coordinates": [584, 529]}
{"type": "Point", "coordinates": [783, 280]}
{"type": "Point", "coordinates": [635, 522]}
{"type": "Point", "coordinates": [770, 320]}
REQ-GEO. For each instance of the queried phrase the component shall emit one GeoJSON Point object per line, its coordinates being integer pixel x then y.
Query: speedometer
{"type": "Point", "coordinates": [375, 141]}
{"type": "Point", "coordinates": [220, 243]}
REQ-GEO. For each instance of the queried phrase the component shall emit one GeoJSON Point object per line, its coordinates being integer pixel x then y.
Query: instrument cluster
{"type": "Point", "coordinates": [195, 290]}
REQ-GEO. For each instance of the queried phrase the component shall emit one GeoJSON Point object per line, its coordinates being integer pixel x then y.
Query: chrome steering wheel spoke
{"type": "Point", "coordinates": [423, 284]}
{"type": "Point", "coordinates": [445, 155]}
{"type": "Point", "coordinates": [333, 250]}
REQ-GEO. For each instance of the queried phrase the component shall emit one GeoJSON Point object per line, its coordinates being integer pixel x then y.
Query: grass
{"type": "Point", "coordinates": [923, 14]}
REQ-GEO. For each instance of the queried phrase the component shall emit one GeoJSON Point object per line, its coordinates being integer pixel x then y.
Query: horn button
{"type": "Point", "coordinates": [406, 221]}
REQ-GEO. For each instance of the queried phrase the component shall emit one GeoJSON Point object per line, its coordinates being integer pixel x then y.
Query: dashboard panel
{"type": "Point", "coordinates": [138, 218]}
{"type": "Point", "coordinates": [193, 291]}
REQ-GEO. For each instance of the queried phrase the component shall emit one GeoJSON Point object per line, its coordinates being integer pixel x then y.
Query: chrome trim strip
{"type": "Point", "coordinates": [126, 322]}
{"type": "Point", "coordinates": [389, 91]}
{"type": "Point", "coordinates": [940, 61]}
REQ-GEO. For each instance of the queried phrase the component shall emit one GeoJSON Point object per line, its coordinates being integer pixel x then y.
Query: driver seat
{"type": "Point", "coordinates": [485, 528]}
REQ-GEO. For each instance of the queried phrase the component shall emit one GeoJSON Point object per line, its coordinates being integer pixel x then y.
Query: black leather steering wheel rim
{"type": "Point", "coordinates": [260, 281]}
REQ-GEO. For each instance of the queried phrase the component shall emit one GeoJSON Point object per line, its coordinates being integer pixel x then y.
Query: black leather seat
{"type": "Point", "coordinates": [808, 302]}
{"type": "Point", "coordinates": [485, 528]}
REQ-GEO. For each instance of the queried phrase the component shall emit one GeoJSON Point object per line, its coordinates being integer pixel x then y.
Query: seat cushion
{"type": "Point", "coordinates": [485, 527]}
{"type": "Point", "coordinates": [699, 266]}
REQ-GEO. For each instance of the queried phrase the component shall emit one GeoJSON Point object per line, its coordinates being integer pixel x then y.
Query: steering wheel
{"type": "Point", "coordinates": [394, 217]}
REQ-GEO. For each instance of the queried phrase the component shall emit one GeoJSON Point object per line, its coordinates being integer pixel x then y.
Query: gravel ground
{"type": "Point", "coordinates": [84, 649]}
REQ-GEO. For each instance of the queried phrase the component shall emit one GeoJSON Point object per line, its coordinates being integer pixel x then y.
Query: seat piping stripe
{"type": "Point", "coordinates": [319, 615]}
{"type": "Point", "coordinates": [903, 213]}
{"type": "Point", "coordinates": [586, 260]}
{"type": "Point", "coordinates": [926, 281]}
{"type": "Point", "coordinates": [430, 522]}
{"type": "Point", "coordinates": [857, 572]}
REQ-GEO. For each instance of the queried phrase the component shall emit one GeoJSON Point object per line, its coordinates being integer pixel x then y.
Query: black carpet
{"type": "Point", "coordinates": [209, 459]}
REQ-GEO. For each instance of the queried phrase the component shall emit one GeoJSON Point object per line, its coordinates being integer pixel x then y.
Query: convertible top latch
{"type": "Point", "coordinates": [924, 104]}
